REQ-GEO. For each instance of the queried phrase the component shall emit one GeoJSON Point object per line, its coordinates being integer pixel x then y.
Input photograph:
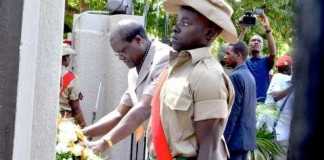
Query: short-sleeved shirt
{"type": "Point", "coordinates": [197, 89]}
{"type": "Point", "coordinates": [70, 93]}
{"type": "Point", "coordinates": [279, 82]}
{"type": "Point", "coordinates": [143, 83]}
{"type": "Point", "coordinates": [260, 68]}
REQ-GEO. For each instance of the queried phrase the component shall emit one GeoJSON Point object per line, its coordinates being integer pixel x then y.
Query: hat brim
{"type": "Point", "coordinates": [211, 12]}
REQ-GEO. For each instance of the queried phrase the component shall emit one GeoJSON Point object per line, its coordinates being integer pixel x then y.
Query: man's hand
{"type": "Point", "coordinates": [271, 42]}
{"type": "Point", "coordinates": [243, 29]}
{"type": "Point", "coordinates": [265, 22]}
{"type": "Point", "coordinates": [132, 120]}
{"type": "Point", "coordinates": [98, 146]}
{"type": "Point", "coordinates": [106, 123]}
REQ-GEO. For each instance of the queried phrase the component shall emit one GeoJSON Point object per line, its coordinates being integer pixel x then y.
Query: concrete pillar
{"type": "Point", "coordinates": [47, 79]}
{"type": "Point", "coordinates": [10, 26]}
{"type": "Point", "coordinates": [38, 85]}
{"type": "Point", "coordinates": [26, 85]}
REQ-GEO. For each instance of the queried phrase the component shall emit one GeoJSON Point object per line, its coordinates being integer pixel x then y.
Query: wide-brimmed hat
{"type": "Point", "coordinates": [67, 50]}
{"type": "Point", "coordinates": [218, 11]}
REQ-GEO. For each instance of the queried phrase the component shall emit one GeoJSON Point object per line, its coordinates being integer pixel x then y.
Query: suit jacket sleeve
{"type": "Point", "coordinates": [237, 106]}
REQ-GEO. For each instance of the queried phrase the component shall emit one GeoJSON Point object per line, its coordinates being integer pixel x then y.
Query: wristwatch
{"type": "Point", "coordinates": [268, 31]}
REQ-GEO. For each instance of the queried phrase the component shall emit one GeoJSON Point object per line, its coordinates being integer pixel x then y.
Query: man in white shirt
{"type": "Point", "coordinates": [281, 94]}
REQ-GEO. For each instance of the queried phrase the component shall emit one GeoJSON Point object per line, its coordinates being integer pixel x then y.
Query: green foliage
{"type": "Point", "coordinates": [280, 13]}
{"type": "Point", "coordinates": [96, 4]}
{"type": "Point", "coordinates": [73, 7]}
{"type": "Point", "coordinates": [266, 110]}
{"type": "Point", "coordinates": [92, 4]}
{"type": "Point", "coordinates": [159, 24]}
{"type": "Point", "coordinates": [64, 156]}
{"type": "Point", "coordinates": [267, 147]}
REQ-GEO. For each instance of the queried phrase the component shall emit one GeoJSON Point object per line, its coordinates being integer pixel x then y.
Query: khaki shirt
{"type": "Point", "coordinates": [143, 83]}
{"type": "Point", "coordinates": [69, 93]}
{"type": "Point", "coordinates": [197, 89]}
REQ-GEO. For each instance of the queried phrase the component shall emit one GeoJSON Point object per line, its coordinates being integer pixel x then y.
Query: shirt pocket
{"type": "Point", "coordinates": [179, 101]}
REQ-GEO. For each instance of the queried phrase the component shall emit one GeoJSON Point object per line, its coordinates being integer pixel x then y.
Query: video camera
{"type": "Point", "coordinates": [249, 18]}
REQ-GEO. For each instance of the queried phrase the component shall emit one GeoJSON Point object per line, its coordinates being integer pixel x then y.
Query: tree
{"type": "Point", "coordinates": [281, 14]}
{"type": "Point", "coordinates": [159, 24]}
{"type": "Point", "coordinates": [77, 6]}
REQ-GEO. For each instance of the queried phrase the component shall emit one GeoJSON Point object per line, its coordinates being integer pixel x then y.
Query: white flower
{"type": "Point", "coordinates": [66, 133]}
{"type": "Point", "coordinates": [93, 156]}
{"type": "Point", "coordinates": [77, 150]}
{"type": "Point", "coordinates": [61, 148]}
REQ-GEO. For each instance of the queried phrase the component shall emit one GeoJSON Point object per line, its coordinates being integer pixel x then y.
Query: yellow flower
{"type": "Point", "coordinates": [85, 154]}
{"type": "Point", "coordinates": [80, 134]}
{"type": "Point", "coordinates": [77, 150]}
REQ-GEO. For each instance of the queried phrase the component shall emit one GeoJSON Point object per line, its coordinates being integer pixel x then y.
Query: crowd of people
{"type": "Point", "coordinates": [195, 110]}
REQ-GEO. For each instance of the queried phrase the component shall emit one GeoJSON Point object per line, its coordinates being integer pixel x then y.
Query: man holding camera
{"type": "Point", "coordinates": [260, 66]}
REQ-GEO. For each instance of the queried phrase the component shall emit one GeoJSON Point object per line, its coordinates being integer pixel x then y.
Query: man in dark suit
{"type": "Point", "coordinates": [240, 132]}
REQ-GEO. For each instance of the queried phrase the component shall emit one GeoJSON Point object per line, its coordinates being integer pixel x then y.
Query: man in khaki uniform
{"type": "Point", "coordinates": [146, 59]}
{"type": "Point", "coordinates": [197, 95]}
{"type": "Point", "coordinates": [70, 94]}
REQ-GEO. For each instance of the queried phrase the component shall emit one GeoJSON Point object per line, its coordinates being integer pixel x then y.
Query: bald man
{"type": "Point", "coordinates": [259, 65]}
{"type": "Point", "coordinates": [146, 59]}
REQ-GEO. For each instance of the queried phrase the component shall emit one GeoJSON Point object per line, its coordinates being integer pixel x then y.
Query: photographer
{"type": "Point", "coordinates": [261, 65]}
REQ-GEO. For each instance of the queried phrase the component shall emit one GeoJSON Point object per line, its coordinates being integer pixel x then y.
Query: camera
{"type": "Point", "coordinates": [249, 18]}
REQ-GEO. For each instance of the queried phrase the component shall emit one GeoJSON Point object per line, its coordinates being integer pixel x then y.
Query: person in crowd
{"type": "Point", "coordinates": [240, 132]}
{"type": "Point", "coordinates": [70, 94]}
{"type": "Point", "coordinates": [280, 80]}
{"type": "Point", "coordinates": [259, 65]}
{"type": "Point", "coordinates": [280, 93]}
{"type": "Point", "coordinates": [193, 99]}
{"type": "Point", "coordinates": [220, 56]}
{"type": "Point", "coordinates": [146, 58]}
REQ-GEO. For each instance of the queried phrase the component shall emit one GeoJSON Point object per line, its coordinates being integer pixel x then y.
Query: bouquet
{"type": "Point", "coordinates": [71, 142]}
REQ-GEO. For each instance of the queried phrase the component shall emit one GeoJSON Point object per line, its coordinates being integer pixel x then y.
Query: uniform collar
{"type": "Point", "coordinates": [198, 54]}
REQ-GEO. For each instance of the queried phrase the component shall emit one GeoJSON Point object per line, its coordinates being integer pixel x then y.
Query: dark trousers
{"type": "Point", "coordinates": [238, 155]}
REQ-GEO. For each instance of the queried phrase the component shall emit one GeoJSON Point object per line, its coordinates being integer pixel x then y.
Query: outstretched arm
{"type": "Point", "coordinates": [133, 119]}
{"type": "Point", "coordinates": [105, 124]}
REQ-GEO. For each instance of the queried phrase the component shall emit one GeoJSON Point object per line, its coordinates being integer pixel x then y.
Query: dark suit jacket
{"type": "Point", "coordinates": [240, 132]}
